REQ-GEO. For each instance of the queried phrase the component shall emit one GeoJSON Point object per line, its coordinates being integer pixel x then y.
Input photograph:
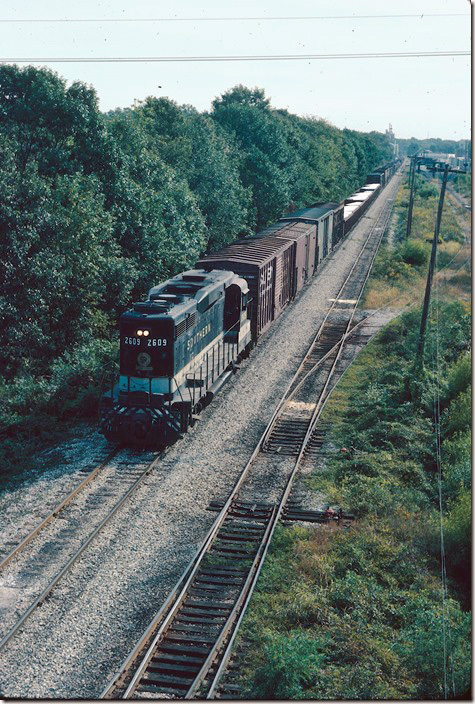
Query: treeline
{"type": "Point", "coordinates": [461, 147]}
{"type": "Point", "coordinates": [96, 208]}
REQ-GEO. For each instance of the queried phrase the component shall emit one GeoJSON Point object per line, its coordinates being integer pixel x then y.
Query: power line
{"type": "Point", "coordinates": [277, 57]}
{"type": "Point", "coordinates": [234, 19]}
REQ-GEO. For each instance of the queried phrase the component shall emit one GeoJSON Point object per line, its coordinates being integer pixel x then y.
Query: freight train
{"type": "Point", "coordinates": [179, 347]}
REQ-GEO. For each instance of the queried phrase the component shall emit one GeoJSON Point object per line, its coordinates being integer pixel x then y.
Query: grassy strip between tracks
{"type": "Point", "coordinates": [358, 613]}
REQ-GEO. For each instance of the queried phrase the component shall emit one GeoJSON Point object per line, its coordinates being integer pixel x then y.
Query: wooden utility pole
{"type": "Point", "coordinates": [433, 257]}
{"type": "Point", "coordinates": [412, 177]}
{"type": "Point", "coordinates": [412, 182]}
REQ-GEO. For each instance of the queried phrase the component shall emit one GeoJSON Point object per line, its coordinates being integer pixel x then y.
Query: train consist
{"type": "Point", "coordinates": [178, 348]}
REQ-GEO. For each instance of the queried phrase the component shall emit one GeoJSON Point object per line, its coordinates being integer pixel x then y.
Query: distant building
{"type": "Point", "coordinates": [392, 138]}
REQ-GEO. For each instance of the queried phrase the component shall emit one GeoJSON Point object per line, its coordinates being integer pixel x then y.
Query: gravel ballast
{"type": "Point", "coordinates": [77, 639]}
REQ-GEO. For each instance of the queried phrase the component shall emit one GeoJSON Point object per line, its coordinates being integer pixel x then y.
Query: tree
{"type": "Point", "coordinates": [59, 128]}
{"type": "Point", "coordinates": [158, 223]}
{"type": "Point", "coordinates": [58, 263]}
{"type": "Point", "coordinates": [201, 153]}
{"type": "Point", "coordinates": [266, 155]}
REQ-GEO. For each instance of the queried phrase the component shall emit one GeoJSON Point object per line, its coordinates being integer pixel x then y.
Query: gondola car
{"type": "Point", "coordinates": [181, 345]}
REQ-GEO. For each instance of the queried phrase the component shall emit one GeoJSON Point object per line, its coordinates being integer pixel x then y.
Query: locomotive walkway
{"type": "Point", "coordinates": [95, 636]}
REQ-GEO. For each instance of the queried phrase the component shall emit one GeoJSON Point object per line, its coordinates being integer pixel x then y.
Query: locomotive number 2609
{"type": "Point", "coordinates": [153, 342]}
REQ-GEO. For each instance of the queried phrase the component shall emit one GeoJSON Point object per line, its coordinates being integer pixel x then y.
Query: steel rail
{"type": "Point", "coordinates": [291, 392]}
{"type": "Point", "coordinates": [248, 585]}
{"type": "Point", "coordinates": [54, 513]}
{"type": "Point", "coordinates": [189, 574]}
{"type": "Point", "coordinates": [192, 568]}
{"type": "Point", "coordinates": [227, 653]}
{"type": "Point", "coordinates": [191, 571]}
{"type": "Point", "coordinates": [48, 589]}
{"type": "Point", "coordinates": [115, 681]}
{"type": "Point", "coordinates": [283, 500]}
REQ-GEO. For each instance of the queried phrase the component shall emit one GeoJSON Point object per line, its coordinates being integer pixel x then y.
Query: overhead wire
{"type": "Point", "coordinates": [445, 584]}
{"type": "Point", "coordinates": [436, 412]}
{"type": "Point", "coordinates": [230, 19]}
{"type": "Point", "coordinates": [270, 57]}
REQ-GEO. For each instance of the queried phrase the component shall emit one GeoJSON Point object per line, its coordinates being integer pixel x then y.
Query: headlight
{"type": "Point", "coordinates": [146, 333]}
{"type": "Point", "coordinates": [139, 333]}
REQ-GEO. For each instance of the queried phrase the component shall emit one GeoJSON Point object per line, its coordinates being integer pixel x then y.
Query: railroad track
{"type": "Point", "coordinates": [184, 650]}
{"type": "Point", "coordinates": [82, 518]}
{"type": "Point", "coordinates": [12, 547]}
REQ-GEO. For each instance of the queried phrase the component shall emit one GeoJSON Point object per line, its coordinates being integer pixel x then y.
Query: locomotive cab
{"type": "Point", "coordinates": [175, 350]}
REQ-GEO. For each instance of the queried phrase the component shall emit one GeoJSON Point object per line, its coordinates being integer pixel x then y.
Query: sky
{"type": "Point", "coordinates": [419, 96]}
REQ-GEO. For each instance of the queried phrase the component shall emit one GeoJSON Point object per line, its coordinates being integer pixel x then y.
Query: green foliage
{"type": "Point", "coordinates": [95, 209]}
{"type": "Point", "coordinates": [415, 253]}
{"type": "Point", "coordinates": [288, 161]}
{"type": "Point", "coordinates": [38, 409]}
{"type": "Point", "coordinates": [458, 542]}
{"type": "Point", "coordinates": [425, 189]}
{"type": "Point", "coordinates": [353, 634]}
{"type": "Point", "coordinates": [361, 609]}
{"type": "Point", "coordinates": [435, 144]}
{"type": "Point", "coordinates": [421, 646]}
{"type": "Point", "coordinates": [200, 152]}
{"type": "Point", "coordinates": [457, 464]}
{"type": "Point", "coordinates": [401, 263]}
{"type": "Point", "coordinates": [292, 664]}
{"type": "Point", "coordinates": [460, 376]}
{"type": "Point", "coordinates": [462, 184]}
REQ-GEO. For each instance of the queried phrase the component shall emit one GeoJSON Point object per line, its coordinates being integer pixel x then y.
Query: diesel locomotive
{"type": "Point", "coordinates": [181, 345]}
{"type": "Point", "coordinates": [176, 351]}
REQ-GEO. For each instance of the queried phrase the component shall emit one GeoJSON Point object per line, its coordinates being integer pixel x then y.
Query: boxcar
{"type": "Point", "coordinates": [326, 217]}
{"type": "Point", "coordinates": [305, 238]}
{"type": "Point", "coordinates": [268, 265]}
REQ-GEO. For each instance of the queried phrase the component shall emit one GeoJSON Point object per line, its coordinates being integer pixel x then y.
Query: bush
{"type": "Point", "coordinates": [31, 409]}
{"type": "Point", "coordinates": [292, 665]}
{"type": "Point", "coordinates": [426, 190]}
{"type": "Point", "coordinates": [458, 542]}
{"type": "Point", "coordinates": [415, 253]}
{"type": "Point", "coordinates": [421, 646]}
